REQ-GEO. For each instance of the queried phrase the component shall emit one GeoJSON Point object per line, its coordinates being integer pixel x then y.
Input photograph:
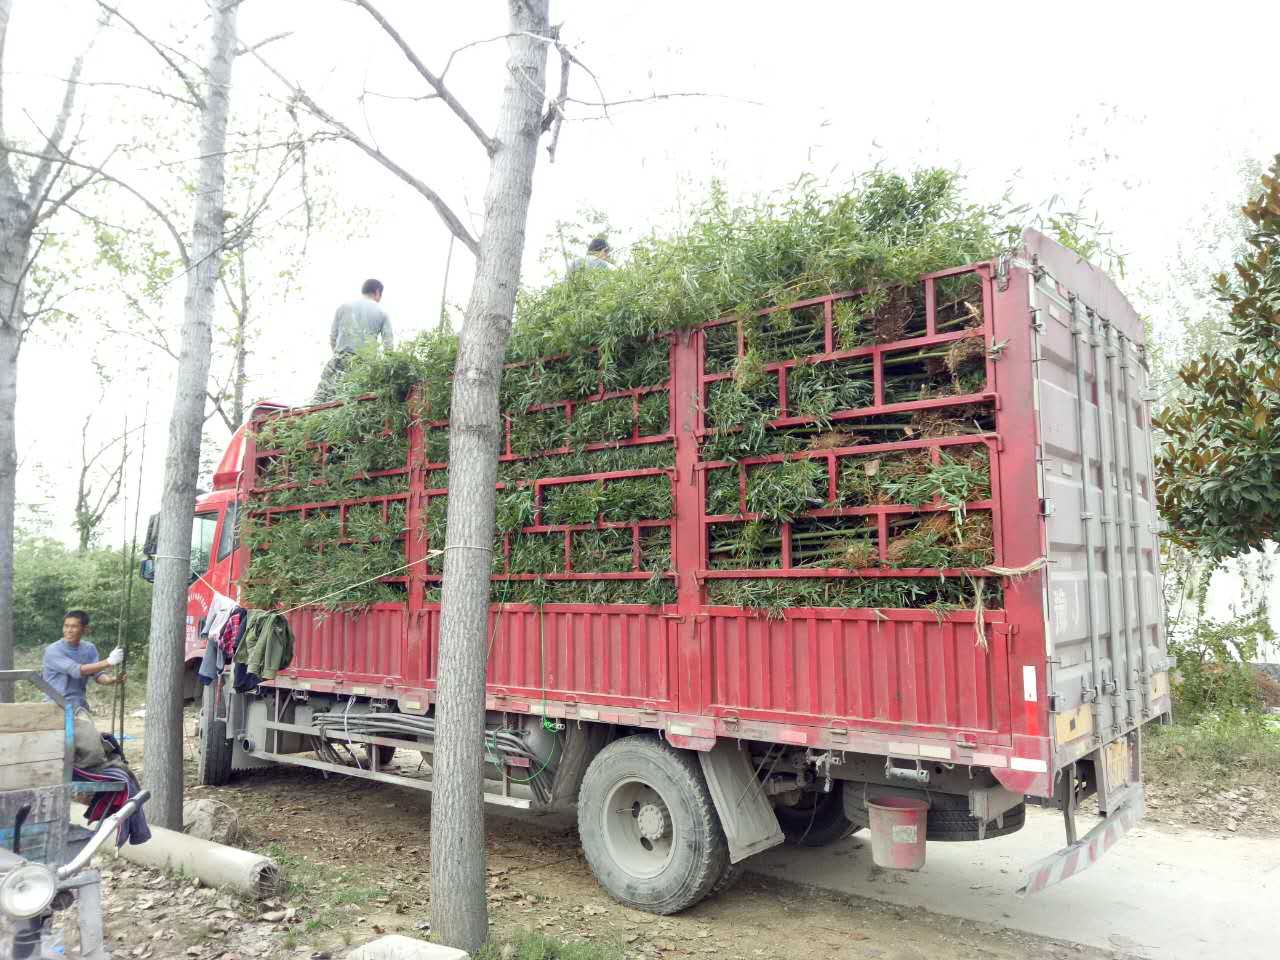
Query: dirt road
{"type": "Point", "coordinates": [1162, 894]}
{"type": "Point", "coordinates": [357, 857]}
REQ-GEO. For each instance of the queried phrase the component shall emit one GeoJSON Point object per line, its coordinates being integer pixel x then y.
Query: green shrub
{"type": "Point", "coordinates": [1216, 742]}
{"type": "Point", "coordinates": [50, 578]}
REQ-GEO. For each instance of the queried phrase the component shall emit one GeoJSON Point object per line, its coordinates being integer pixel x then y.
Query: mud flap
{"type": "Point", "coordinates": [1085, 852]}
{"type": "Point", "coordinates": [747, 816]}
{"type": "Point", "coordinates": [580, 744]}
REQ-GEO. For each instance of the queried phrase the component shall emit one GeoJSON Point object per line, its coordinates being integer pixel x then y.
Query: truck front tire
{"type": "Point", "coordinates": [213, 766]}
{"type": "Point", "coordinates": [649, 828]}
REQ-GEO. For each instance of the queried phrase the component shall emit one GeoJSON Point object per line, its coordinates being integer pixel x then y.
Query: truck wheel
{"type": "Point", "coordinates": [953, 825]}
{"type": "Point", "coordinates": [816, 820]}
{"type": "Point", "coordinates": [949, 819]}
{"type": "Point", "coordinates": [213, 767]}
{"type": "Point", "coordinates": [648, 826]}
{"type": "Point", "coordinates": [729, 876]}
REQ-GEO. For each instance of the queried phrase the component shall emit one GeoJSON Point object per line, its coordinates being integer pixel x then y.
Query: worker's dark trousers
{"type": "Point", "coordinates": [330, 377]}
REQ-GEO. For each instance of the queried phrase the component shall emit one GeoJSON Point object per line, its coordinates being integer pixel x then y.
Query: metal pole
{"type": "Point", "coordinates": [129, 573]}
{"type": "Point", "coordinates": [1104, 463]}
{"type": "Point", "coordinates": [1144, 679]}
{"type": "Point", "coordinates": [444, 289]}
{"type": "Point", "coordinates": [1122, 524]}
{"type": "Point", "coordinates": [1087, 517]}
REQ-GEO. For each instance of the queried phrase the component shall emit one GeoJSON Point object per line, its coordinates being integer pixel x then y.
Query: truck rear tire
{"type": "Point", "coordinates": [817, 820]}
{"type": "Point", "coordinates": [949, 819]}
{"type": "Point", "coordinates": [649, 828]}
{"type": "Point", "coordinates": [213, 766]}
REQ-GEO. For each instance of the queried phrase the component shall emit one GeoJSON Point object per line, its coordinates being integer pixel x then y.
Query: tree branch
{"type": "Point", "coordinates": [41, 178]}
{"type": "Point", "coordinates": [160, 342]}
{"type": "Point", "coordinates": [192, 89]}
{"type": "Point", "coordinates": [217, 408]}
{"type": "Point", "coordinates": [446, 214]}
{"type": "Point", "coordinates": [48, 209]}
{"type": "Point", "coordinates": [291, 142]}
{"type": "Point", "coordinates": [244, 228]}
{"type": "Point", "coordinates": [139, 87]}
{"type": "Point", "coordinates": [262, 43]}
{"type": "Point", "coordinates": [437, 83]}
{"type": "Point", "coordinates": [102, 174]}
{"type": "Point", "coordinates": [417, 98]}
{"type": "Point", "coordinates": [606, 104]}
{"type": "Point", "coordinates": [474, 43]}
{"type": "Point", "coordinates": [554, 118]}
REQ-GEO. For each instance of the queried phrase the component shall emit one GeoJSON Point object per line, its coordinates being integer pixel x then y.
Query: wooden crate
{"type": "Point", "coordinates": [33, 745]}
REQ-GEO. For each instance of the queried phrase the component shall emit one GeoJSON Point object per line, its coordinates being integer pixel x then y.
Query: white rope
{"type": "Point", "coordinates": [327, 596]}
{"type": "Point", "coordinates": [979, 589]}
{"type": "Point", "coordinates": [342, 590]}
{"type": "Point", "coordinates": [1038, 564]}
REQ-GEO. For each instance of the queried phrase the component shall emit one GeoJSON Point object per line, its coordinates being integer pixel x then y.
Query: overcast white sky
{"type": "Point", "coordinates": [1136, 111]}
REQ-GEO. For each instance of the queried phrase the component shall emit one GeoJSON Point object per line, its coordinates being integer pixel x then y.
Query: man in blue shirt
{"type": "Point", "coordinates": [69, 663]}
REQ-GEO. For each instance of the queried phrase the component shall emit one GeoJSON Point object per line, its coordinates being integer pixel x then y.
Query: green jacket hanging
{"type": "Point", "coordinates": [267, 645]}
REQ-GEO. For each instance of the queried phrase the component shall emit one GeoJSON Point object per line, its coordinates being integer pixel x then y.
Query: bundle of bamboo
{"type": "Point", "coordinates": [790, 389]}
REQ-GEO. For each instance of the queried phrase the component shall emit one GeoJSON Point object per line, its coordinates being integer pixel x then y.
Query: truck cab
{"type": "Point", "coordinates": [215, 559]}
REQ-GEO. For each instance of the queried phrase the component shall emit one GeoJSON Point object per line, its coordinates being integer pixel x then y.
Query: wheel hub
{"type": "Point", "coordinates": [652, 821]}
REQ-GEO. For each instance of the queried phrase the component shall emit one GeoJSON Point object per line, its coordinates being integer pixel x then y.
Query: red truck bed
{"type": "Point", "coordinates": [1072, 656]}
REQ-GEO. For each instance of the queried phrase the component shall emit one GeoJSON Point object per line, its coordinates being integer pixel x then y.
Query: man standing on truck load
{"type": "Point", "coordinates": [356, 323]}
{"type": "Point", "coordinates": [597, 257]}
{"type": "Point", "coordinates": [69, 663]}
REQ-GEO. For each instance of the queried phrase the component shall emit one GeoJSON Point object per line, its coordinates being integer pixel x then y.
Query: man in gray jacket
{"type": "Point", "coordinates": [354, 325]}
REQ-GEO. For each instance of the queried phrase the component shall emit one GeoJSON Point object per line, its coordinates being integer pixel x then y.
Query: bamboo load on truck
{"type": "Point", "coordinates": [871, 544]}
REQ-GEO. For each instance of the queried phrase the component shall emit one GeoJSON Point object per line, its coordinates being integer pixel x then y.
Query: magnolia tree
{"type": "Point", "coordinates": [1218, 468]}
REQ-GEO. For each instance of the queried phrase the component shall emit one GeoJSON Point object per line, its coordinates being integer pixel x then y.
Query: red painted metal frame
{"type": "Point", "coordinates": [908, 683]}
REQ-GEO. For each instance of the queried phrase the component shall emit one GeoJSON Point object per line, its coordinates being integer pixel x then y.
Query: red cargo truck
{"type": "Point", "coordinates": [692, 734]}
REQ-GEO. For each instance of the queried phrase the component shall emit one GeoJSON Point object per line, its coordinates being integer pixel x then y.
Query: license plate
{"type": "Point", "coordinates": [1119, 763]}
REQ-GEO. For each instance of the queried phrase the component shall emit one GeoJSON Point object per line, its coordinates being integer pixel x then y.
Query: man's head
{"type": "Point", "coordinates": [599, 247]}
{"type": "Point", "coordinates": [74, 624]}
{"type": "Point", "coordinates": [372, 289]}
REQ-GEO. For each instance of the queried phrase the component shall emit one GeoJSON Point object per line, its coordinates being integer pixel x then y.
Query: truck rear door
{"type": "Point", "coordinates": [1103, 603]}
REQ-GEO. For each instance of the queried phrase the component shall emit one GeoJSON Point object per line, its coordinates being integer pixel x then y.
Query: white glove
{"type": "Point", "coordinates": [116, 657]}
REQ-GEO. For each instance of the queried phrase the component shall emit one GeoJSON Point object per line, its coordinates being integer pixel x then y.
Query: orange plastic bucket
{"type": "Point", "coordinates": [898, 826]}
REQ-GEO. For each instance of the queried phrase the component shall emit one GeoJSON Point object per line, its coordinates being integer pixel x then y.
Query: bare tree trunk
{"type": "Point", "coordinates": [242, 330]}
{"type": "Point", "coordinates": [12, 256]}
{"type": "Point", "coordinates": [15, 245]}
{"type": "Point", "coordinates": [163, 729]}
{"type": "Point", "coordinates": [459, 903]}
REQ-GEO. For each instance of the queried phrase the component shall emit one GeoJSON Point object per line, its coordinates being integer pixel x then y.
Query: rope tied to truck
{"type": "Point", "coordinates": [430, 554]}
{"type": "Point", "coordinates": [979, 591]}
{"type": "Point", "coordinates": [353, 586]}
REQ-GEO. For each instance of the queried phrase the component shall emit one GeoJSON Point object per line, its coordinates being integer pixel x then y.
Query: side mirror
{"type": "Point", "coordinates": [147, 570]}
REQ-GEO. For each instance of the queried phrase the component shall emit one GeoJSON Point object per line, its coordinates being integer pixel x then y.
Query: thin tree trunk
{"type": "Point", "coordinates": [15, 244]}
{"type": "Point", "coordinates": [242, 330]}
{"type": "Point", "coordinates": [163, 729]}
{"type": "Point", "coordinates": [9, 344]}
{"type": "Point", "coordinates": [459, 902]}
